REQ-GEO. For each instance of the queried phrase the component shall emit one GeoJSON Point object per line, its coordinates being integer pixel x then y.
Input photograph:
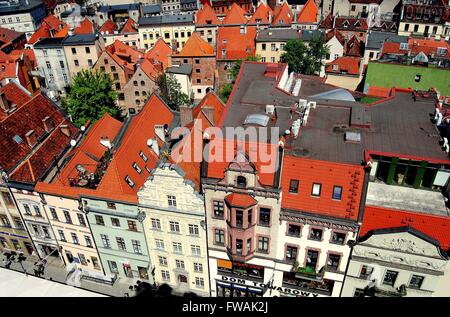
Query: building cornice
{"type": "Point", "coordinates": [318, 220]}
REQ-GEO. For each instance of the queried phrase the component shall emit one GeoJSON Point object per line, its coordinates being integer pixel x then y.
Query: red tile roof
{"type": "Point", "coordinates": [108, 27]}
{"type": "Point", "coordinates": [328, 174]}
{"type": "Point", "coordinates": [123, 54]}
{"type": "Point", "coordinates": [309, 13]}
{"type": "Point", "coordinates": [335, 33]}
{"type": "Point", "coordinates": [51, 27]}
{"type": "Point", "coordinates": [235, 16]}
{"type": "Point", "coordinates": [211, 100]}
{"type": "Point", "coordinates": [195, 46]}
{"type": "Point", "coordinates": [141, 128]}
{"type": "Point", "coordinates": [428, 46]}
{"type": "Point", "coordinates": [351, 24]}
{"type": "Point", "coordinates": [236, 45]}
{"type": "Point", "coordinates": [221, 148]}
{"type": "Point", "coordinates": [327, 23]}
{"type": "Point", "coordinates": [26, 164]}
{"type": "Point", "coordinates": [434, 226]}
{"type": "Point", "coordinates": [354, 48]}
{"type": "Point", "coordinates": [392, 48]}
{"type": "Point", "coordinates": [240, 200]}
{"type": "Point", "coordinates": [159, 52]}
{"type": "Point", "coordinates": [85, 27]}
{"type": "Point", "coordinates": [382, 92]}
{"type": "Point", "coordinates": [150, 69]}
{"type": "Point", "coordinates": [206, 16]}
{"type": "Point", "coordinates": [262, 14]}
{"type": "Point", "coordinates": [129, 26]}
{"type": "Point", "coordinates": [283, 15]}
{"type": "Point", "coordinates": [346, 64]}
{"type": "Point", "coordinates": [8, 36]}
{"type": "Point", "coordinates": [29, 53]}
{"type": "Point", "coordinates": [8, 65]}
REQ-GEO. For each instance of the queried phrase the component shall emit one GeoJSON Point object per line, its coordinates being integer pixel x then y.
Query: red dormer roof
{"type": "Point", "coordinates": [8, 65]}
{"type": "Point", "coordinates": [283, 15]}
{"type": "Point", "coordinates": [159, 52]}
{"type": "Point", "coordinates": [195, 46]}
{"type": "Point", "coordinates": [150, 69]}
{"type": "Point", "coordinates": [123, 54]}
{"type": "Point", "coordinates": [234, 44]}
{"type": "Point", "coordinates": [392, 48]}
{"type": "Point", "coordinates": [85, 27]}
{"type": "Point", "coordinates": [428, 47]}
{"type": "Point", "coordinates": [335, 33]}
{"type": "Point", "coordinates": [328, 174]}
{"type": "Point", "coordinates": [434, 226]}
{"type": "Point", "coordinates": [206, 16]}
{"type": "Point", "coordinates": [22, 162]}
{"type": "Point", "coordinates": [211, 100]}
{"type": "Point", "coordinates": [240, 200]}
{"type": "Point", "coordinates": [51, 27]}
{"type": "Point", "coordinates": [309, 13]}
{"type": "Point", "coordinates": [351, 24]}
{"type": "Point", "coordinates": [129, 26]}
{"type": "Point", "coordinates": [346, 64]}
{"type": "Point", "coordinates": [108, 27]}
{"type": "Point", "coordinates": [328, 22]}
{"type": "Point", "coordinates": [262, 14]}
{"type": "Point", "coordinates": [235, 16]}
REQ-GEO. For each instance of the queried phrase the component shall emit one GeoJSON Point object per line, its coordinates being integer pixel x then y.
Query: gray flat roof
{"type": "Point", "coordinates": [398, 126]}
{"type": "Point", "coordinates": [119, 7]}
{"type": "Point", "coordinates": [22, 6]}
{"type": "Point", "coordinates": [184, 69]}
{"type": "Point", "coordinates": [152, 8]}
{"type": "Point", "coordinates": [48, 42]}
{"type": "Point", "coordinates": [80, 39]}
{"type": "Point", "coordinates": [376, 39]}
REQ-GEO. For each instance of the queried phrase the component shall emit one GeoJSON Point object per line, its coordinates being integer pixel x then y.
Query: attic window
{"type": "Point", "coordinates": [17, 139]}
{"type": "Point", "coordinates": [357, 23]}
{"type": "Point", "coordinates": [403, 46]}
{"type": "Point", "coordinates": [335, 67]}
{"type": "Point", "coordinates": [142, 155]}
{"type": "Point", "coordinates": [129, 181]}
{"type": "Point", "coordinates": [241, 181]}
{"type": "Point", "coordinates": [137, 168]}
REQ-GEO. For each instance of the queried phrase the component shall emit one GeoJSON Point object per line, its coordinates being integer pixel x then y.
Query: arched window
{"type": "Point", "coordinates": [241, 181]}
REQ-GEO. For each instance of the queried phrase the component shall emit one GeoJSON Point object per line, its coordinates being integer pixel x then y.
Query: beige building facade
{"type": "Point", "coordinates": [175, 230]}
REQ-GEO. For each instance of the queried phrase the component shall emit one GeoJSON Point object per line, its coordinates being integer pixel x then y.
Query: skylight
{"type": "Point", "coordinates": [258, 119]}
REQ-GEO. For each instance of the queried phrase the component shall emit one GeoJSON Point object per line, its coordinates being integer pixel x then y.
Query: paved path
{"type": "Point", "coordinates": [59, 274]}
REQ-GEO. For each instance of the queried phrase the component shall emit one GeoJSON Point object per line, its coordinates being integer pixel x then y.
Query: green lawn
{"type": "Point", "coordinates": [367, 99]}
{"type": "Point", "coordinates": [389, 75]}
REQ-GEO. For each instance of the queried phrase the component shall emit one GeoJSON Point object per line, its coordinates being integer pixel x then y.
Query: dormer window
{"type": "Point", "coordinates": [404, 46]}
{"type": "Point", "coordinates": [137, 168]}
{"type": "Point", "coordinates": [241, 181]}
{"type": "Point", "coordinates": [129, 181]}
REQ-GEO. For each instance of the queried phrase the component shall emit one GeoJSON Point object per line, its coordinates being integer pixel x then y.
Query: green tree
{"type": "Point", "coordinates": [305, 59]}
{"type": "Point", "coordinates": [89, 97]}
{"type": "Point", "coordinates": [169, 89]}
{"type": "Point", "coordinates": [225, 92]}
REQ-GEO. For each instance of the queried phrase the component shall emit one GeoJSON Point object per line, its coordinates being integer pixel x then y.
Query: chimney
{"type": "Point", "coordinates": [209, 113]}
{"type": "Point", "coordinates": [31, 138]}
{"type": "Point", "coordinates": [48, 124]}
{"type": "Point", "coordinates": [65, 130]}
{"type": "Point", "coordinates": [153, 145]}
{"type": "Point", "coordinates": [4, 102]}
{"type": "Point", "coordinates": [104, 140]}
{"type": "Point", "coordinates": [159, 131]}
{"type": "Point", "coordinates": [186, 115]}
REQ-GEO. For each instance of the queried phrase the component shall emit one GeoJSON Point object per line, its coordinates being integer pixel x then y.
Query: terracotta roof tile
{"type": "Point", "coordinates": [123, 54]}
{"type": "Point", "coordinates": [236, 45]}
{"type": "Point", "coordinates": [196, 46]}
{"type": "Point", "coordinates": [235, 16]}
{"type": "Point", "coordinates": [108, 27]}
{"type": "Point", "coordinates": [211, 100]}
{"type": "Point", "coordinates": [129, 26]}
{"type": "Point", "coordinates": [51, 27]}
{"type": "Point", "coordinates": [159, 52]}
{"type": "Point", "coordinates": [309, 13]}
{"type": "Point", "coordinates": [240, 200]}
{"type": "Point", "coordinates": [206, 16]}
{"type": "Point", "coordinates": [283, 15]}
{"type": "Point", "coordinates": [29, 116]}
{"type": "Point", "coordinates": [436, 227]}
{"type": "Point", "coordinates": [328, 174]}
{"type": "Point", "coordinates": [262, 14]}
{"type": "Point", "coordinates": [85, 27]}
{"type": "Point", "coordinates": [347, 64]}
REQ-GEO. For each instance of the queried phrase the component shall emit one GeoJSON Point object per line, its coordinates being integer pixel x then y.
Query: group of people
{"type": "Point", "coordinates": [39, 267]}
